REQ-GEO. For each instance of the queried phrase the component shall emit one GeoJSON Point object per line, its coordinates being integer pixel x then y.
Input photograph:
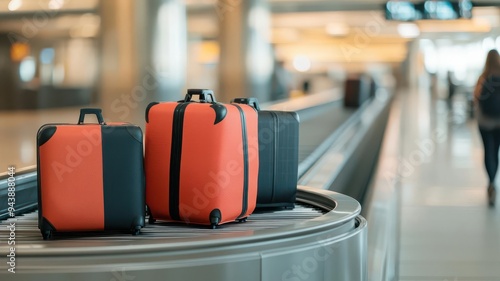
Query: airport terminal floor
{"type": "Point", "coordinates": [432, 163]}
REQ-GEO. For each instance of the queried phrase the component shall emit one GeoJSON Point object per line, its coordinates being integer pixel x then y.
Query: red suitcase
{"type": "Point", "coordinates": [90, 177]}
{"type": "Point", "coordinates": [201, 160]}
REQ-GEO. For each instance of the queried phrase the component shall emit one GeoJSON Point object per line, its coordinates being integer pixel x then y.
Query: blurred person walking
{"type": "Point", "coordinates": [487, 101]}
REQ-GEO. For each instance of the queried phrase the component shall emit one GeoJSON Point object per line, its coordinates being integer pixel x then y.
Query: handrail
{"type": "Point", "coordinates": [339, 210]}
{"type": "Point", "coordinates": [337, 235]}
{"type": "Point", "coordinates": [323, 166]}
{"type": "Point", "coordinates": [25, 195]}
{"type": "Point", "coordinates": [306, 103]}
{"type": "Point", "coordinates": [310, 160]}
{"type": "Point", "coordinates": [20, 171]}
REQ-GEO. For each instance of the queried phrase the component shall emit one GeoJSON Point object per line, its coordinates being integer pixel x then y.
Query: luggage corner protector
{"type": "Point", "coordinates": [45, 133]}
{"type": "Point", "coordinates": [45, 225]}
{"type": "Point", "coordinates": [150, 105]}
{"type": "Point", "coordinates": [135, 132]}
{"type": "Point", "coordinates": [220, 112]}
{"type": "Point", "coordinates": [295, 116]}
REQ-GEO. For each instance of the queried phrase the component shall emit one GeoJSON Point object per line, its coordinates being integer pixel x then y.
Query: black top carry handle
{"type": "Point", "coordinates": [96, 111]}
{"type": "Point", "coordinates": [250, 101]}
{"type": "Point", "coordinates": [204, 94]}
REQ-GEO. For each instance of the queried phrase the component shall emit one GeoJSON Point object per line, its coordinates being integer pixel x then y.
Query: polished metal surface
{"type": "Point", "coordinates": [344, 161]}
{"type": "Point", "coordinates": [381, 205]}
{"type": "Point", "coordinates": [330, 243]}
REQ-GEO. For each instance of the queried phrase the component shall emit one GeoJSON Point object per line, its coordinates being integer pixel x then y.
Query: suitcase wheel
{"type": "Point", "coordinates": [136, 231]}
{"type": "Point", "coordinates": [151, 220]}
{"type": "Point", "coordinates": [242, 220]}
{"type": "Point", "coordinates": [215, 216]}
{"type": "Point", "coordinates": [47, 234]}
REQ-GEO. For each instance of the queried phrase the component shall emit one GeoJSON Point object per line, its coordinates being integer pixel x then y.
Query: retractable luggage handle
{"type": "Point", "coordinates": [96, 111]}
{"type": "Point", "coordinates": [203, 93]}
{"type": "Point", "coordinates": [253, 102]}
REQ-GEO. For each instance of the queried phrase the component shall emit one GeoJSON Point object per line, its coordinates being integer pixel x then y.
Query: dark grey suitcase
{"type": "Point", "coordinates": [357, 90]}
{"type": "Point", "coordinates": [278, 156]}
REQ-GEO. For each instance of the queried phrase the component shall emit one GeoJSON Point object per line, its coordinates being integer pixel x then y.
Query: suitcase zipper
{"type": "Point", "coordinates": [175, 160]}
{"type": "Point", "coordinates": [245, 162]}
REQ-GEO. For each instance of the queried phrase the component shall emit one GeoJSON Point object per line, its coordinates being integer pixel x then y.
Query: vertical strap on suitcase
{"type": "Point", "coordinates": [275, 153]}
{"type": "Point", "coordinates": [245, 161]}
{"type": "Point", "coordinates": [205, 96]}
{"type": "Point", "coordinates": [175, 160]}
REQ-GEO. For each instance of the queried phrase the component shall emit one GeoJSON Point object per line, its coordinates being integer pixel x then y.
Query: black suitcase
{"type": "Point", "coordinates": [278, 156]}
{"type": "Point", "coordinates": [357, 90]}
{"type": "Point", "coordinates": [90, 177]}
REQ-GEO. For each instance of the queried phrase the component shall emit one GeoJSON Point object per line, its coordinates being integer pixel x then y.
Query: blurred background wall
{"type": "Point", "coordinates": [122, 54]}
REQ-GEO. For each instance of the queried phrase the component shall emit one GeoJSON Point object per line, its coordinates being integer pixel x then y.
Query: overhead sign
{"type": "Point", "coordinates": [430, 9]}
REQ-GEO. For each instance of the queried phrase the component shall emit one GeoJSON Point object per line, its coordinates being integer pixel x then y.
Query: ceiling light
{"type": "Point", "coordinates": [15, 5]}
{"type": "Point", "coordinates": [27, 69]}
{"type": "Point", "coordinates": [302, 63]}
{"type": "Point", "coordinates": [408, 30]}
{"type": "Point", "coordinates": [56, 4]}
{"type": "Point", "coordinates": [337, 29]}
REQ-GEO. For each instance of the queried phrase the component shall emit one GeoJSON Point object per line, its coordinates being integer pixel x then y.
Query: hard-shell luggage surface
{"type": "Point", "coordinates": [90, 177]}
{"type": "Point", "coordinates": [201, 160]}
{"type": "Point", "coordinates": [278, 156]}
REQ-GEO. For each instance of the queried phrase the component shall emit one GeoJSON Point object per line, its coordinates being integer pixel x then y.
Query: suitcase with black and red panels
{"type": "Point", "coordinates": [278, 156]}
{"type": "Point", "coordinates": [90, 177]}
{"type": "Point", "coordinates": [201, 160]}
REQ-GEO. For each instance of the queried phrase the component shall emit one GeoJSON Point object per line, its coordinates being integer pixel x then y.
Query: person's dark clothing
{"type": "Point", "coordinates": [491, 141]}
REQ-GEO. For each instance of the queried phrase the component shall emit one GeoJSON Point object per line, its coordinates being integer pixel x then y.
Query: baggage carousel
{"type": "Point", "coordinates": [323, 238]}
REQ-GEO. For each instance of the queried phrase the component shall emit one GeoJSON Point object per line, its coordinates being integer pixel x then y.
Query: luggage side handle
{"type": "Point", "coordinates": [96, 111]}
{"type": "Point", "coordinates": [253, 102]}
{"type": "Point", "coordinates": [203, 93]}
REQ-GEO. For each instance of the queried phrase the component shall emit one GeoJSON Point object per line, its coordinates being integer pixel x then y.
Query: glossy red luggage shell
{"type": "Point", "coordinates": [210, 152]}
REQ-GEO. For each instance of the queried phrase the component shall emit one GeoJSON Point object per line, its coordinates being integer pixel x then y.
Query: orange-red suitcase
{"type": "Point", "coordinates": [201, 160]}
{"type": "Point", "coordinates": [90, 177]}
